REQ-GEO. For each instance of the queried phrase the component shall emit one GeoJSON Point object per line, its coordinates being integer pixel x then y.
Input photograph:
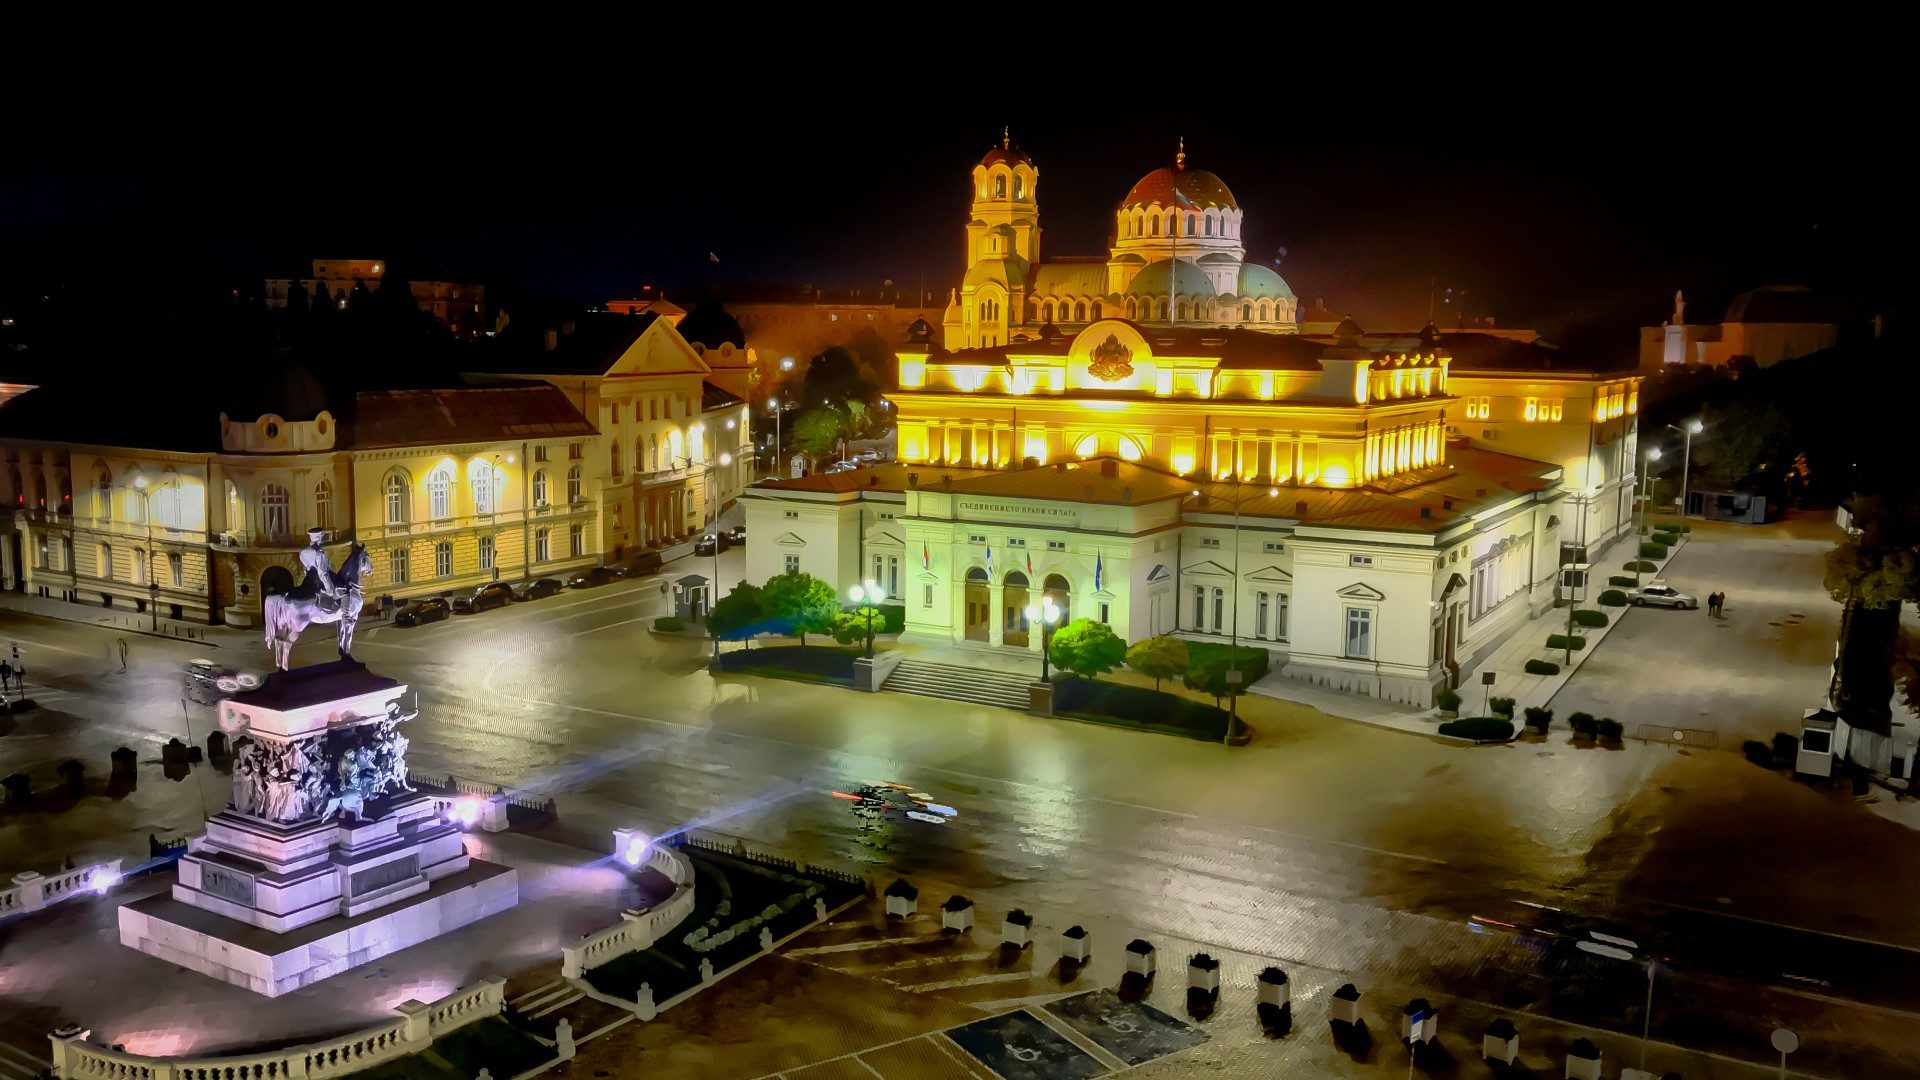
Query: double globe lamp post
{"type": "Point", "coordinates": [868, 596]}
{"type": "Point", "coordinates": [1046, 613]}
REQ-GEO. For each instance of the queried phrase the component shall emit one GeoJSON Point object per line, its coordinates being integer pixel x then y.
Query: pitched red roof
{"type": "Point", "coordinates": [389, 418]}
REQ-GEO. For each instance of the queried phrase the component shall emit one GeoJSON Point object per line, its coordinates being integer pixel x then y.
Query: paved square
{"type": "Point", "coordinates": [1134, 1032]}
{"type": "Point", "coordinates": [1019, 1047]}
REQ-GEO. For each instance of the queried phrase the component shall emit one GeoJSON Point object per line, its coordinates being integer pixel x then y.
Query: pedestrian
{"type": "Point", "coordinates": [123, 655]}
{"type": "Point", "coordinates": [1720, 605]}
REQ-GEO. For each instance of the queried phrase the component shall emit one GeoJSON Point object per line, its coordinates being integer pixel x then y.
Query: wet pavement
{"type": "Point", "coordinates": [1326, 843]}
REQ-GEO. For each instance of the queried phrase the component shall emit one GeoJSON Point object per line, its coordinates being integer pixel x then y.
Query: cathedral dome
{"type": "Point", "coordinates": [1259, 283]}
{"type": "Point", "coordinates": [1177, 185]}
{"type": "Point", "coordinates": [1005, 155]}
{"type": "Point", "coordinates": [1188, 280]}
{"type": "Point", "coordinates": [710, 325]}
{"type": "Point", "coordinates": [1003, 270]}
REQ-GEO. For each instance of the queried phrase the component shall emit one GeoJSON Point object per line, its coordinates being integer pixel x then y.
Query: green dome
{"type": "Point", "coordinates": [1259, 283]}
{"type": "Point", "coordinates": [1189, 280]}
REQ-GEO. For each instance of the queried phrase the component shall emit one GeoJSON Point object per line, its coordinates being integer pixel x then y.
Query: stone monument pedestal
{"type": "Point", "coordinates": [292, 883]}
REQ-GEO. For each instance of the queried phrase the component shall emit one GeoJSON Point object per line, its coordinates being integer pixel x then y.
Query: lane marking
{"type": "Point", "coordinates": [977, 980]}
{"type": "Point", "coordinates": [609, 626]}
{"type": "Point", "coordinates": [854, 946]}
{"type": "Point", "coordinates": [869, 1068]}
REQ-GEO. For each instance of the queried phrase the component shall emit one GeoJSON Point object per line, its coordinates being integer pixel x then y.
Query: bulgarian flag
{"type": "Point", "coordinates": [926, 556]}
{"type": "Point", "coordinates": [1029, 566]}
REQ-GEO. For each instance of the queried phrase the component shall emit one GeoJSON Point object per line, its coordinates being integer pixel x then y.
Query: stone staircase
{"type": "Point", "coordinates": [980, 686]}
{"type": "Point", "coordinates": [18, 1063]}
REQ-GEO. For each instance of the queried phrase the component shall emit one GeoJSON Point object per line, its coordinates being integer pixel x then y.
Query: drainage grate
{"type": "Point", "coordinates": [1692, 738]}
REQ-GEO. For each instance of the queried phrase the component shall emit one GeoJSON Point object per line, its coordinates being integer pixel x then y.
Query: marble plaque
{"type": "Point", "coordinates": [226, 884]}
{"type": "Point", "coordinates": [385, 874]}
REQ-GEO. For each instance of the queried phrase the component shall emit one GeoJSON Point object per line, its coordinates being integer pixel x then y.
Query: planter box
{"type": "Point", "coordinates": [1583, 1061]}
{"type": "Point", "coordinates": [903, 900]}
{"type": "Point", "coordinates": [1140, 957]}
{"type": "Point", "coordinates": [957, 914]}
{"type": "Point", "coordinates": [1501, 1042]}
{"type": "Point", "coordinates": [1040, 699]}
{"type": "Point", "coordinates": [1345, 1006]}
{"type": "Point", "coordinates": [1017, 929]}
{"type": "Point", "coordinates": [1203, 973]}
{"type": "Point", "coordinates": [1419, 1021]}
{"type": "Point", "coordinates": [1274, 989]}
{"type": "Point", "coordinates": [1074, 944]}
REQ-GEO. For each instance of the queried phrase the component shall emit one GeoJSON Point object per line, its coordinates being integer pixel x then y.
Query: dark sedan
{"type": "Point", "coordinates": [737, 535]}
{"type": "Point", "coordinates": [431, 609]}
{"type": "Point", "coordinates": [589, 578]}
{"type": "Point", "coordinates": [492, 595]}
{"type": "Point", "coordinates": [539, 587]}
{"type": "Point", "coordinates": [711, 544]}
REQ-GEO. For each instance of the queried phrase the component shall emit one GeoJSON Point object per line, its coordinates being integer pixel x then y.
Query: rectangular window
{"type": "Point", "coordinates": [1106, 612]}
{"type": "Point", "coordinates": [1219, 609]}
{"type": "Point", "coordinates": [926, 596]}
{"type": "Point", "coordinates": [539, 453]}
{"type": "Point", "coordinates": [893, 577]}
{"type": "Point", "coordinates": [1014, 541]}
{"type": "Point", "coordinates": [397, 565]}
{"type": "Point", "coordinates": [1359, 560]}
{"type": "Point", "coordinates": [613, 412]}
{"type": "Point", "coordinates": [1359, 633]}
{"type": "Point", "coordinates": [576, 451]}
{"type": "Point", "coordinates": [1280, 617]}
{"type": "Point", "coordinates": [1210, 541]}
{"type": "Point", "coordinates": [1056, 545]}
{"type": "Point", "coordinates": [1259, 615]}
{"type": "Point", "coordinates": [793, 513]}
{"type": "Point", "coordinates": [793, 564]}
{"type": "Point", "coordinates": [443, 559]}
{"type": "Point", "coordinates": [175, 572]}
{"type": "Point", "coordinates": [486, 553]}
{"type": "Point", "coordinates": [541, 545]}
{"type": "Point", "coordinates": [1199, 607]}
{"type": "Point", "coordinates": [1531, 409]}
{"type": "Point", "coordinates": [976, 538]}
{"type": "Point", "coordinates": [1275, 546]}
{"type": "Point", "coordinates": [576, 540]}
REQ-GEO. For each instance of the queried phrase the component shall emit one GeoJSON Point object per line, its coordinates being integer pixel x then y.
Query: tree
{"type": "Point", "coordinates": [1158, 658]}
{"type": "Point", "coordinates": [820, 429]}
{"type": "Point", "coordinates": [833, 378]}
{"type": "Point", "coordinates": [739, 615]}
{"type": "Point", "coordinates": [1749, 436]}
{"type": "Point", "coordinates": [1087, 647]}
{"type": "Point", "coordinates": [801, 604]}
{"type": "Point", "coordinates": [1872, 571]}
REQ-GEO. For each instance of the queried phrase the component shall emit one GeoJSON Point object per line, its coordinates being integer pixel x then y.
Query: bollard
{"type": "Point", "coordinates": [217, 745]}
{"type": "Point", "coordinates": [173, 751]}
{"type": "Point", "coordinates": [1016, 931]}
{"type": "Point", "coordinates": [1583, 1061]}
{"type": "Point", "coordinates": [1419, 1022]}
{"type": "Point", "coordinates": [19, 789]}
{"type": "Point", "coordinates": [125, 762]}
{"type": "Point", "coordinates": [1500, 1042]}
{"type": "Point", "coordinates": [193, 755]}
{"type": "Point", "coordinates": [1140, 957]}
{"type": "Point", "coordinates": [1273, 988]}
{"type": "Point", "coordinates": [75, 774]}
{"type": "Point", "coordinates": [1203, 984]}
{"type": "Point", "coordinates": [1346, 1004]}
{"type": "Point", "coordinates": [903, 900]}
{"type": "Point", "coordinates": [1074, 944]}
{"type": "Point", "coordinates": [957, 914]}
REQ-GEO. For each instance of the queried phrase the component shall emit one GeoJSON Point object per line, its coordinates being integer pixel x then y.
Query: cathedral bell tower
{"type": "Point", "coordinates": [1003, 244]}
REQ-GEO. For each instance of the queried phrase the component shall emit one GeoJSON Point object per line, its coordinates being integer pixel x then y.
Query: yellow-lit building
{"type": "Point", "coordinates": [462, 307]}
{"type": "Point", "coordinates": [1379, 511]}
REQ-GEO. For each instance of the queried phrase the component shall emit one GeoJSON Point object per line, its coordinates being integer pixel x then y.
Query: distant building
{"type": "Point", "coordinates": [1768, 324]}
{"type": "Point", "coordinates": [461, 307]}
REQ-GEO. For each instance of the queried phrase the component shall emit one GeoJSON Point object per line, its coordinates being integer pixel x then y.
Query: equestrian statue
{"type": "Point", "coordinates": [326, 595]}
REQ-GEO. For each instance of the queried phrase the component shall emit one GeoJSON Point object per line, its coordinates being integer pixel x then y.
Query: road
{"type": "Point", "coordinates": [1325, 842]}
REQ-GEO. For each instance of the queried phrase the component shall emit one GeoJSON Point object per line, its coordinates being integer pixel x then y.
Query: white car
{"type": "Point", "coordinates": [1658, 595]}
{"type": "Point", "coordinates": [843, 466]}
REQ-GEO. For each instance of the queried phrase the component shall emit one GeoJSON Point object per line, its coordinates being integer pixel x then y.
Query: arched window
{"type": "Point", "coordinates": [102, 493]}
{"type": "Point", "coordinates": [1126, 227]}
{"type": "Point", "coordinates": [1046, 311]}
{"type": "Point", "coordinates": [1189, 224]}
{"type": "Point", "coordinates": [1133, 310]}
{"type": "Point", "coordinates": [398, 494]}
{"type": "Point", "coordinates": [1000, 186]}
{"type": "Point", "coordinates": [1173, 222]}
{"type": "Point", "coordinates": [1209, 224]}
{"type": "Point", "coordinates": [1183, 310]}
{"type": "Point", "coordinates": [276, 511]}
{"type": "Point", "coordinates": [486, 485]}
{"type": "Point", "coordinates": [1246, 312]}
{"type": "Point", "coordinates": [573, 484]}
{"type": "Point", "coordinates": [136, 506]}
{"type": "Point", "coordinates": [1159, 309]}
{"type": "Point", "coordinates": [1263, 312]}
{"type": "Point", "coordinates": [1156, 225]}
{"type": "Point", "coordinates": [614, 458]}
{"type": "Point", "coordinates": [1019, 192]}
{"type": "Point", "coordinates": [440, 494]}
{"type": "Point", "coordinates": [1080, 312]}
{"type": "Point", "coordinates": [540, 487]}
{"type": "Point", "coordinates": [323, 504]}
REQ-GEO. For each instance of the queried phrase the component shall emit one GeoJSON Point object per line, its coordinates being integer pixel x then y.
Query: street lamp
{"type": "Point", "coordinates": [146, 515]}
{"type": "Point", "coordinates": [1233, 630]}
{"type": "Point", "coordinates": [773, 405]}
{"type": "Point", "coordinates": [1646, 494]}
{"type": "Point", "coordinates": [1614, 951]}
{"type": "Point", "coordinates": [1046, 613]}
{"type": "Point", "coordinates": [869, 595]}
{"type": "Point", "coordinates": [1692, 428]}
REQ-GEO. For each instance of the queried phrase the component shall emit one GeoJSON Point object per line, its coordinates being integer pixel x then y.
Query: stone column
{"type": "Point", "coordinates": [995, 617]}
{"type": "Point", "coordinates": [417, 1029]}
{"type": "Point", "coordinates": [33, 889]}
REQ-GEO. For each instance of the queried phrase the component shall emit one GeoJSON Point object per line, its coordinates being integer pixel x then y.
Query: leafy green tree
{"type": "Point", "coordinates": [835, 378]}
{"type": "Point", "coordinates": [801, 604]}
{"type": "Point", "coordinates": [1749, 436]}
{"type": "Point", "coordinates": [1873, 571]}
{"type": "Point", "coordinates": [739, 615]}
{"type": "Point", "coordinates": [1158, 658]}
{"type": "Point", "coordinates": [851, 626]}
{"type": "Point", "coordinates": [1087, 647]}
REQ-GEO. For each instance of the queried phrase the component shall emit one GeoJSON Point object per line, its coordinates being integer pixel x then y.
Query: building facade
{"type": "Point", "coordinates": [462, 307]}
{"type": "Point", "coordinates": [1766, 325]}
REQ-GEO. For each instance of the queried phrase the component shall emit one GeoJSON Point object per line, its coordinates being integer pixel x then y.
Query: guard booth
{"type": "Point", "coordinates": [691, 598]}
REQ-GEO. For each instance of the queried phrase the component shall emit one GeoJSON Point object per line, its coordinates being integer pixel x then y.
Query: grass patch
{"type": "Point", "coordinates": [1139, 708]}
{"type": "Point", "coordinates": [1479, 729]}
{"type": "Point", "coordinates": [492, 1044]}
{"type": "Point", "coordinates": [669, 624]}
{"type": "Point", "coordinates": [830, 664]}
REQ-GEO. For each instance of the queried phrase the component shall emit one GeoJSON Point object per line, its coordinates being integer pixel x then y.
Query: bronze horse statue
{"type": "Point", "coordinates": [287, 615]}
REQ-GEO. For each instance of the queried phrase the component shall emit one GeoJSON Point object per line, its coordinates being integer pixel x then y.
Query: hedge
{"type": "Point", "coordinates": [1501, 707]}
{"type": "Point", "coordinates": [1539, 719]}
{"type": "Point", "coordinates": [802, 663]}
{"type": "Point", "coordinates": [1589, 618]}
{"type": "Point", "coordinates": [1582, 723]}
{"type": "Point", "coordinates": [1669, 526]}
{"type": "Point", "coordinates": [1563, 642]}
{"type": "Point", "coordinates": [1651, 550]}
{"type": "Point", "coordinates": [1542, 667]}
{"type": "Point", "coordinates": [668, 624]}
{"type": "Point", "coordinates": [1479, 729]}
{"type": "Point", "coordinates": [1608, 728]}
{"type": "Point", "coordinates": [1667, 538]}
{"type": "Point", "coordinates": [1758, 752]}
{"type": "Point", "coordinates": [893, 619]}
{"type": "Point", "coordinates": [1120, 705]}
{"type": "Point", "coordinates": [1641, 565]}
{"type": "Point", "coordinates": [1611, 598]}
{"type": "Point", "coordinates": [1447, 700]}
{"type": "Point", "coordinates": [1622, 579]}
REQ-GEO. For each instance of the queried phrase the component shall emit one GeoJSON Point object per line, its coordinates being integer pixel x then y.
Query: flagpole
{"type": "Point", "coordinates": [1173, 245]}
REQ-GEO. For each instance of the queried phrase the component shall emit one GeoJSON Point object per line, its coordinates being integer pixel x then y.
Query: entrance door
{"type": "Point", "coordinates": [979, 605]}
{"type": "Point", "coordinates": [1013, 610]}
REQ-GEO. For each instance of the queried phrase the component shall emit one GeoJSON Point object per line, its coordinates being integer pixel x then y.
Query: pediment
{"type": "Point", "coordinates": [1207, 568]}
{"type": "Point", "coordinates": [1360, 590]}
{"type": "Point", "coordinates": [659, 350]}
{"type": "Point", "coordinates": [882, 536]}
{"type": "Point", "coordinates": [1271, 574]}
{"type": "Point", "coordinates": [790, 540]}
{"type": "Point", "coordinates": [1454, 584]}
{"type": "Point", "coordinates": [1158, 574]}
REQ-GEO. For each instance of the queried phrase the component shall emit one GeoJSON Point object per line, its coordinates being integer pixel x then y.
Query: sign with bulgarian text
{"type": "Point", "coordinates": [1023, 511]}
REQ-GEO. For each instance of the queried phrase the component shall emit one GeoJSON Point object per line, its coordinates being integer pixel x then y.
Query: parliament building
{"type": "Point", "coordinates": [1151, 441]}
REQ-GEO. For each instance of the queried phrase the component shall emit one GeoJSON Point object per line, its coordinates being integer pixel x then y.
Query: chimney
{"type": "Point", "coordinates": [1109, 467]}
{"type": "Point", "coordinates": [553, 339]}
{"type": "Point", "coordinates": [1300, 508]}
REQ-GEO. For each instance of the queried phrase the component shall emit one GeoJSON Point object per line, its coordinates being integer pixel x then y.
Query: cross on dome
{"type": "Point", "coordinates": [1180, 158]}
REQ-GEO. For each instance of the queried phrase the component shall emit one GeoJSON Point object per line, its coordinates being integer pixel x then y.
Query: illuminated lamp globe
{"type": "Point", "coordinates": [637, 849]}
{"type": "Point", "coordinates": [1335, 476]}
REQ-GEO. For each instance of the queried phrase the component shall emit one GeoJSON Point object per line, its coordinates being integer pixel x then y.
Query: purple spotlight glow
{"type": "Point", "coordinates": [101, 880]}
{"type": "Point", "coordinates": [637, 850]}
{"type": "Point", "coordinates": [465, 812]}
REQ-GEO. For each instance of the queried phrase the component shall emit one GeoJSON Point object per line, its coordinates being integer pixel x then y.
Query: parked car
{"type": "Point", "coordinates": [737, 535]}
{"type": "Point", "coordinates": [491, 595]}
{"type": "Point", "coordinates": [591, 577]}
{"type": "Point", "coordinates": [711, 544]}
{"type": "Point", "coordinates": [843, 466]}
{"type": "Point", "coordinates": [208, 682]}
{"type": "Point", "coordinates": [539, 587]}
{"type": "Point", "coordinates": [647, 562]}
{"type": "Point", "coordinates": [425, 610]}
{"type": "Point", "coordinates": [867, 457]}
{"type": "Point", "coordinates": [1658, 595]}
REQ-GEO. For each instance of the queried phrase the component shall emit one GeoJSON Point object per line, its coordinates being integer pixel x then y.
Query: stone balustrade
{"type": "Point", "coordinates": [636, 930]}
{"type": "Point", "coordinates": [32, 890]}
{"type": "Point", "coordinates": [418, 1024]}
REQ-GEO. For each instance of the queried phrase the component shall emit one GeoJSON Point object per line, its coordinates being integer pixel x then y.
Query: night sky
{"type": "Point", "coordinates": [1580, 217]}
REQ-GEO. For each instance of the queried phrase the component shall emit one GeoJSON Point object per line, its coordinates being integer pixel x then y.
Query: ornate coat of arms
{"type": "Point", "coordinates": [1112, 361]}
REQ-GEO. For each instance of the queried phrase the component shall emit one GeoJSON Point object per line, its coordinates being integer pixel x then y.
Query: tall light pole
{"type": "Point", "coordinates": [1611, 948]}
{"type": "Point", "coordinates": [1692, 428]}
{"type": "Point", "coordinates": [1233, 615]}
{"type": "Point", "coordinates": [773, 405]}
{"type": "Point", "coordinates": [146, 514]}
{"type": "Point", "coordinates": [1046, 613]}
{"type": "Point", "coordinates": [1646, 493]}
{"type": "Point", "coordinates": [868, 596]}
{"type": "Point", "coordinates": [712, 515]}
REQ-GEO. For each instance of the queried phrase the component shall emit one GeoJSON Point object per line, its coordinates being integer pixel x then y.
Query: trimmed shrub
{"type": "Point", "coordinates": [1542, 667]}
{"type": "Point", "coordinates": [1672, 526]}
{"type": "Point", "coordinates": [668, 624]}
{"type": "Point", "coordinates": [893, 619]}
{"type": "Point", "coordinates": [1758, 752]}
{"type": "Point", "coordinates": [1608, 729]}
{"type": "Point", "coordinates": [1641, 565]}
{"type": "Point", "coordinates": [1448, 700]}
{"type": "Point", "coordinates": [1583, 724]}
{"type": "Point", "coordinates": [1208, 664]}
{"type": "Point", "coordinates": [1610, 598]}
{"type": "Point", "coordinates": [1501, 707]}
{"type": "Point", "coordinates": [1539, 719]}
{"type": "Point", "coordinates": [1667, 538]}
{"type": "Point", "coordinates": [1785, 747]}
{"type": "Point", "coordinates": [1563, 642]}
{"type": "Point", "coordinates": [1479, 729]}
{"type": "Point", "coordinates": [1651, 550]}
{"type": "Point", "coordinates": [1590, 618]}
{"type": "Point", "coordinates": [1622, 580]}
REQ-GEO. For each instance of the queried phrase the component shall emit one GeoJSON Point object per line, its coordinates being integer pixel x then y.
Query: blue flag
{"type": "Point", "coordinates": [1099, 571]}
